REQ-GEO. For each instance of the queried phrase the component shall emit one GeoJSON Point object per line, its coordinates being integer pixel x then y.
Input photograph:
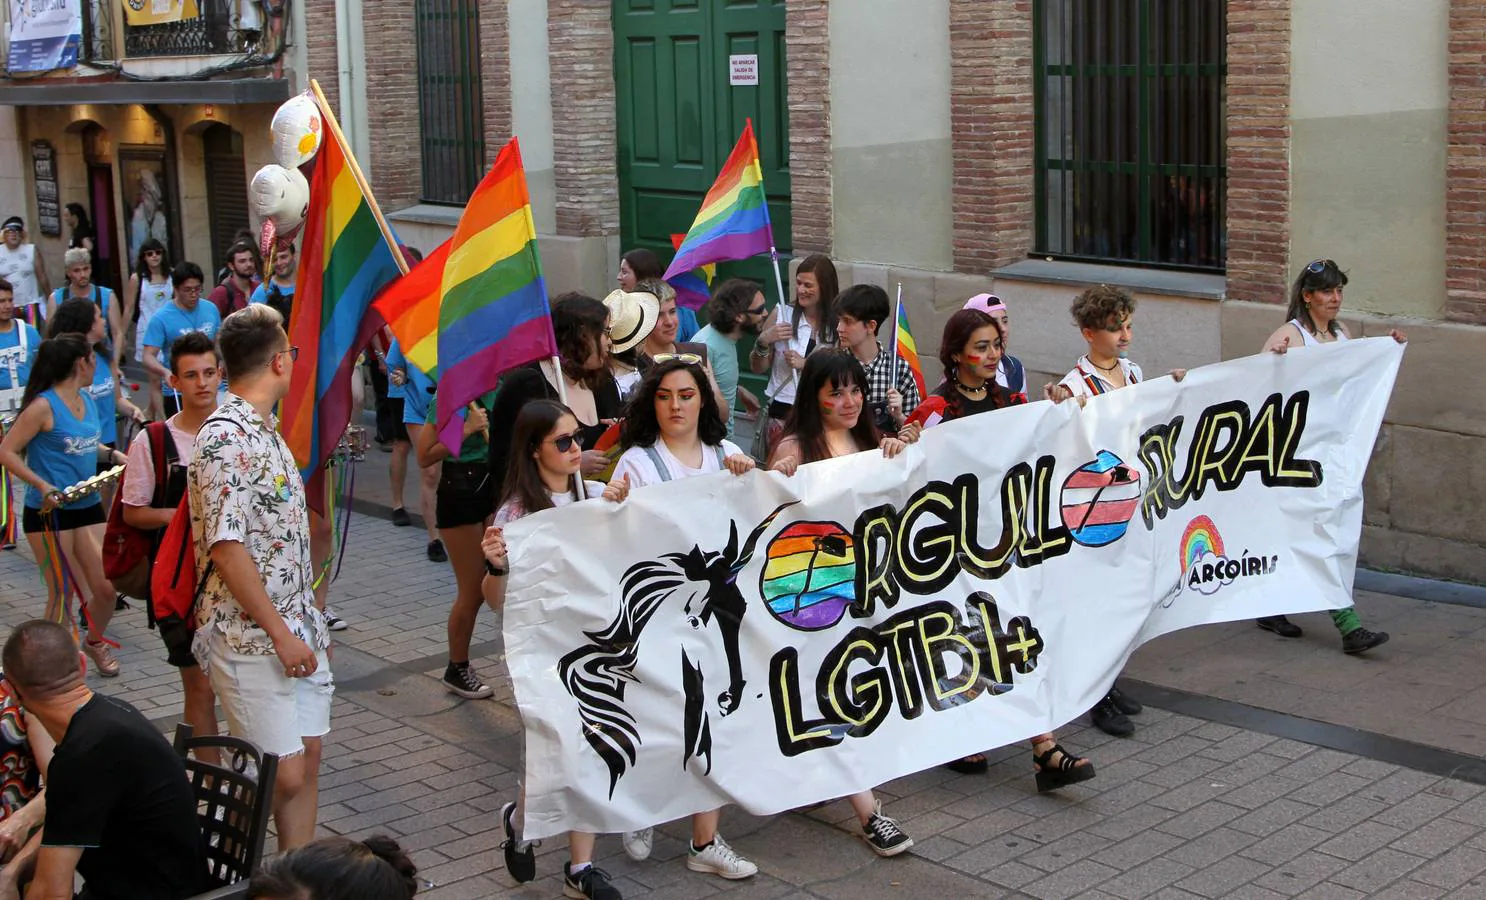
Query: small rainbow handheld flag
{"type": "Point", "coordinates": [493, 315]}
{"type": "Point", "coordinates": [734, 220]}
{"type": "Point", "coordinates": [346, 259]}
{"type": "Point", "coordinates": [907, 350]}
{"type": "Point", "coordinates": [411, 307]}
{"type": "Point", "coordinates": [694, 288]}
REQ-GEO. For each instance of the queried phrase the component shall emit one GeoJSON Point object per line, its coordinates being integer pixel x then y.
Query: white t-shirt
{"type": "Point", "coordinates": [1085, 380]}
{"type": "Point", "coordinates": [18, 267]}
{"type": "Point", "coordinates": [139, 483]}
{"type": "Point", "coordinates": [512, 510]}
{"type": "Point", "coordinates": [638, 464]}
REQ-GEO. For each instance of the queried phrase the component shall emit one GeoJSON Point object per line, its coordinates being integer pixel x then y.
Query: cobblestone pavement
{"type": "Point", "coordinates": [1187, 807]}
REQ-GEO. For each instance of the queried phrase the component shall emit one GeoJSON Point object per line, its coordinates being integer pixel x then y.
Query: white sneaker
{"type": "Point", "coordinates": [638, 844]}
{"type": "Point", "coordinates": [722, 860]}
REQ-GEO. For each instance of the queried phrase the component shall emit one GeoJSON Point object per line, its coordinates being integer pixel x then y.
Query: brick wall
{"type": "Point", "coordinates": [581, 50]}
{"type": "Point", "coordinates": [391, 41]}
{"type": "Point", "coordinates": [991, 111]}
{"type": "Point", "coordinates": [320, 46]}
{"type": "Point", "coordinates": [495, 74]}
{"type": "Point", "coordinates": [1258, 149]}
{"type": "Point", "coordinates": [808, 70]}
{"type": "Point", "coordinates": [1465, 167]}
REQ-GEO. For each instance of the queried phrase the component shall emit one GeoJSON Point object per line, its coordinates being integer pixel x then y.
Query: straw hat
{"type": "Point", "coordinates": [631, 318]}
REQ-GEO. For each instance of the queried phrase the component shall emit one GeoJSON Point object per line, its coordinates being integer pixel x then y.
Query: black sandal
{"type": "Point", "coordinates": [1069, 771]}
{"type": "Point", "coordinates": [968, 765]}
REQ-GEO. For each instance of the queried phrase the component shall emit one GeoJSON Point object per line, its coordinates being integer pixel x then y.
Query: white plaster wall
{"type": "Point", "coordinates": [531, 106]}
{"type": "Point", "coordinates": [890, 132]}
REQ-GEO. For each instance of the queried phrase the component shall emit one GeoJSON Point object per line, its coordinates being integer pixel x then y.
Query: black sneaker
{"type": "Point", "coordinates": [462, 680]}
{"type": "Point", "coordinates": [1360, 639]}
{"type": "Point", "coordinates": [1108, 719]}
{"type": "Point", "coordinates": [1280, 626]}
{"type": "Point", "coordinates": [400, 518]}
{"type": "Point", "coordinates": [333, 621]}
{"type": "Point", "coordinates": [436, 552]}
{"type": "Point", "coordinates": [884, 835]}
{"type": "Point", "coordinates": [592, 883]}
{"type": "Point", "coordinates": [1124, 702]}
{"type": "Point", "coordinates": [521, 860]}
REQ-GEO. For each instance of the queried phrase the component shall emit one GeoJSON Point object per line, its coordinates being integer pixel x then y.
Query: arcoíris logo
{"type": "Point", "coordinates": [1206, 567]}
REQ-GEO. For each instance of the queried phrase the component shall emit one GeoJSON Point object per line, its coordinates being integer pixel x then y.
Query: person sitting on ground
{"type": "Point", "coordinates": [120, 809]}
{"type": "Point", "coordinates": [338, 868]}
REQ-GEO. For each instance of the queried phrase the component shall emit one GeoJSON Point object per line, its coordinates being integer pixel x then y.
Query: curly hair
{"type": "Point", "coordinates": [1096, 306]}
{"type": "Point", "coordinates": [579, 322]}
{"type": "Point", "coordinates": [641, 428]}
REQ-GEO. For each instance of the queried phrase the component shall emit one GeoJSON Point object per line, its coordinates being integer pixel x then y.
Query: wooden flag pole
{"type": "Point", "coordinates": [335, 129]}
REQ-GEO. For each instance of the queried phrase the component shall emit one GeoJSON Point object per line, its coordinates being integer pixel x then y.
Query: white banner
{"type": "Point", "coordinates": [771, 642]}
{"type": "Point", "coordinates": [44, 34]}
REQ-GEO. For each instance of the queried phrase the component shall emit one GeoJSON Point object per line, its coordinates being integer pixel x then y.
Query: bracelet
{"type": "Point", "coordinates": [492, 569]}
{"type": "Point", "coordinates": [767, 348]}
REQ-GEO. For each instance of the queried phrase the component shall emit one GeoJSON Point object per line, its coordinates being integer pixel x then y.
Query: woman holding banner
{"type": "Point", "coordinates": [545, 458]}
{"type": "Point", "coordinates": [795, 332]}
{"type": "Point", "coordinates": [1315, 303]}
{"type": "Point", "coordinates": [825, 422]}
{"type": "Point", "coordinates": [971, 353]}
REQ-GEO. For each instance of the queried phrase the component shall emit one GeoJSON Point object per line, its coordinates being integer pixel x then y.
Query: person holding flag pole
{"type": "Point", "coordinates": [892, 392]}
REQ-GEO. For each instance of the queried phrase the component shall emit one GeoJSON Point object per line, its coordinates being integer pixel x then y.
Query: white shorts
{"type": "Point", "coordinates": [264, 705]}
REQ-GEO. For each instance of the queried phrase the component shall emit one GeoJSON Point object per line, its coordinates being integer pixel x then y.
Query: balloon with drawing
{"type": "Point", "coordinates": [297, 131]}
{"type": "Point", "coordinates": [280, 196]}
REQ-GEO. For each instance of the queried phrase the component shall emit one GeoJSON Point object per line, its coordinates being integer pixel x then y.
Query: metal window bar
{"type": "Point", "coordinates": [215, 31]}
{"type": "Point", "coordinates": [449, 97]}
{"type": "Point", "coordinates": [1130, 118]}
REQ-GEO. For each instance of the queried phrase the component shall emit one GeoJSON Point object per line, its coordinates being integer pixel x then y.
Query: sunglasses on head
{"type": "Point", "coordinates": [1319, 266]}
{"type": "Point", "coordinates": [690, 359]}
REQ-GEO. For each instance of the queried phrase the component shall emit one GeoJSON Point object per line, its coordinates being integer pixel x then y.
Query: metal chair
{"type": "Point", "coordinates": [233, 802]}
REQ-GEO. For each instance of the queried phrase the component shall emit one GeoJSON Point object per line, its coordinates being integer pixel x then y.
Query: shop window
{"type": "Point", "coordinates": [452, 133]}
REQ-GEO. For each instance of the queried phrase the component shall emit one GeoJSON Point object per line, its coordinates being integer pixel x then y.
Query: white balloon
{"type": "Point", "coordinates": [281, 196]}
{"type": "Point", "coordinates": [297, 130]}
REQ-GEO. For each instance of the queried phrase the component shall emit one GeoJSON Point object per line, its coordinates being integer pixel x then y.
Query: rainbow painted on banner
{"type": "Point", "coordinates": [734, 220]}
{"type": "Point", "coordinates": [1200, 539]}
{"type": "Point", "coordinates": [493, 315]}
{"type": "Point", "coordinates": [808, 580]}
{"type": "Point", "coordinates": [908, 351]}
{"type": "Point", "coordinates": [344, 262]}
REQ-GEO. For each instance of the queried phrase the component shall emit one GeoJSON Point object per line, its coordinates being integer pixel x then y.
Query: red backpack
{"type": "Point", "coordinates": [174, 588]}
{"type": "Point", "coordinates": [128, 552]}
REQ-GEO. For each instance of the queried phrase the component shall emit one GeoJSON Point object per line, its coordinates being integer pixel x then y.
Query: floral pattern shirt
{"type": "Point", "coordinates": [244, 487]}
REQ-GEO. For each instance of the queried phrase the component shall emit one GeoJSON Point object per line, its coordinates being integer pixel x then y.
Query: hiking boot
{"type": "Point", "coordinates": [335, 622]}
{"type": "Point", "coordinates": [717, 858]}
{"type": "Point", "coordinates": [884, 835]}
{"type": "Point", "coordinates": [521, 860]}
{"type": "Point", "coordinates": [1280, 626]}
{"type": "Point", "coordinates": [436, 551]}
{"type": "Point", "coordinates": [464, 681]}
{"type": "Point", "coordinates": [400, 518]}
{"type": "Point", "coordinates": [1360, 639]}
{"type": "Point", "coordinates": [638, 844]}
{"type": "Point", "coordinates": [103, 657]}
{"type": "Point", "coordinates": [1124, 702]}
{"type": "Point", "coordinates": [1109, 719]}
{"type": "Point", "coordinates": [592, 883]}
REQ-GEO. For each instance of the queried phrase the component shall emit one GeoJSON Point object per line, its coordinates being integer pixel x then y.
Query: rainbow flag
{"type": "Point", "coordinates": [494, 314]}
{"type": "Point", "coordinates": [908, 351]}
{"type": "Point", "coordinates": [694, 288]}
{"type": "Point", "coordinates": [734, 219]}
{"type": "Point", "coordinates": [411, 307]}
{"type": "Point", "coordinates": [344, 262]}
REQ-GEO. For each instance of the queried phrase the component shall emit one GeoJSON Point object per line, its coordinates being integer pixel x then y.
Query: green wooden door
{"type": "Point", "coordinates": [679, 116]}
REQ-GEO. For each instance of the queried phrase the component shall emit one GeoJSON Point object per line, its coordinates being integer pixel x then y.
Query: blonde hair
{"type": "Point", "coordinates": [661, 289]}
{"type": "Point", "coordinates": [77, 256]}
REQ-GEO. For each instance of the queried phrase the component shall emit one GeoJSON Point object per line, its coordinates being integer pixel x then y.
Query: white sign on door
{"type": "Point", "coordinates": [743, 69]}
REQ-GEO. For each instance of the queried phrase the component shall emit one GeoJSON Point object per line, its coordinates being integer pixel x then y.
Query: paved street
{"type": "Point", "coordinates": [1212, 797]}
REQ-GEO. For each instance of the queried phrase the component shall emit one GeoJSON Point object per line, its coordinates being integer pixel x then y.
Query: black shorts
{"type": "Point", "coordinates": [466, 495]}
{"type": "Point", "coordinates": [177, 639]}
{"type": "Point", "coordinates": [67, 519]}
{"type": "Point", "coordinates": [395, 424]}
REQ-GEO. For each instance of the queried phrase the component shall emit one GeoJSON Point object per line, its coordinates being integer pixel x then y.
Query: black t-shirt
{"type": "Point", "coordinates": [961, 406]}
{"type": "Point", "coordinates": [525, 384]}
{"type": "Point", "coordinates": [118, 790]}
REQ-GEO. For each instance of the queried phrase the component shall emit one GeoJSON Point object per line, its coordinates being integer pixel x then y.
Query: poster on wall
{"type": "Point", "coordinates": [142, 182]}
{"type": "Point", "coordinates": [44, 174]}
{"type": "Point", "coordinates": [44, 34]}
{"type": "Point", "coordinates": [159, 12]}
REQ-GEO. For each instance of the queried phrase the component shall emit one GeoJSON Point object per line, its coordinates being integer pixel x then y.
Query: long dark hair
{"type": "Point", "coordinates": [76, 316]}
{"type": "Point", "coordinates": [579, 321]}
{"type": "Point", "coordinates": [1330, 276]}
{"type": "Point", "coordinates": [642, 429]}
{"type": "Point", "coordinates": [839, 369]}
{"type": "Point", "coordinates": [338, 868]}
{"type": "Point", "coordinates": [644, 263]}
{"type": "Point", "coordinates": [524, 482]}
{"type": "Point", "coordinates": [55, 360]}
{"type": "Point", "coordinates": [958, 331]}
{"type": "Point", "coordinates": [82, 216]}
{"type": "Point", "coordinates": [142, 268]}
{"type": "Point", "coordinates": [828, 286]}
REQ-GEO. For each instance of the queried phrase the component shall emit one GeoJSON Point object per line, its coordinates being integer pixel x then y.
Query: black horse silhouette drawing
{"type": "Point", "coordinates": [597, 673]}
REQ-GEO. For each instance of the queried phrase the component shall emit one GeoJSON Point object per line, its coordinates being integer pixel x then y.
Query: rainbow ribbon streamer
{"type": "Point", "coordinates": [9, 523]}
{"type": "Point", "coordinates": [340, 489]}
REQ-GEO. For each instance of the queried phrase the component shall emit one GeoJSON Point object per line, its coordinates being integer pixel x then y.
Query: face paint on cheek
{"type": "Point", "coordinates": [828, 405]}
{"type": "Point", "coordinates": [973, 360]}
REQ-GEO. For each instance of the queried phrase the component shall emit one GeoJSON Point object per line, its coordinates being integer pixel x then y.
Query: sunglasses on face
{"type": "Point", "coordinates": [564, 442]}
{"type": "Point", "coordinates": [690, 359]}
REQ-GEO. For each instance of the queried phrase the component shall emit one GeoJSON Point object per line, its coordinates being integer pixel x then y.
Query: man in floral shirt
{"type": "Point", "coordinates": [259, 636]}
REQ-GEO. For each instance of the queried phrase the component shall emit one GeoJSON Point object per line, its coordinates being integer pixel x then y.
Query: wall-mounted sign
{"type": "Point", "coordinates": [44, 174]}
{"type": "Point", "coordinates": [743, 69]}
{"type": "Point", "coordinates": [158, 12]}
{"type": "Point", "coordinates": [44, 34]}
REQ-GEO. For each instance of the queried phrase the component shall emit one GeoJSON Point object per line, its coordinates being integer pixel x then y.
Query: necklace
{"type": "Point", "coordinates": [1107, 368]}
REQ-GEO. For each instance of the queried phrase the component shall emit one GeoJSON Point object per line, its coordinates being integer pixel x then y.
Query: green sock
{"type": "Point", "coordinates": [1346, 620]}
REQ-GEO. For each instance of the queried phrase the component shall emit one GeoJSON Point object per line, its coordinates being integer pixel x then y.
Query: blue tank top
{"type": "Point", "coordinates": [102, 392]}
{"type": "Point", "coordinates": [68, 453]}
